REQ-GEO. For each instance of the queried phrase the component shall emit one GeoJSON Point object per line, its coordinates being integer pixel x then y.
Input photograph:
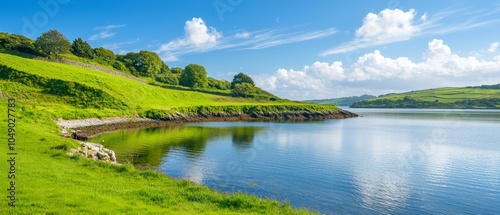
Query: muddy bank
{"type": "Point", "coordinates": [93, 127]}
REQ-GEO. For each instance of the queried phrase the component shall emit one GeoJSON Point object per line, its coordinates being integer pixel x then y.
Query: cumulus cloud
{"type": "Point", "coordinates": [493, 47]}
{"type": "Point", "coordinates": [197, 35]}
{"type": "Point", "coordinates": [395, 25]}
{"type": "Point", "coordinates": [105, 32]}
{"type": "Point", "coordinates": [439, 67]}
{"type": "Point", "coordinates": [201, 38]}
{"type": "Point", "coordinates": [388, 24]}
{"type": "Point", "coordinates": [386, 27]}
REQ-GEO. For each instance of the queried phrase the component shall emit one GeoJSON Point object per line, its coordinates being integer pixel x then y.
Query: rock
{"type": "Point", "coordinates": [95, 152]}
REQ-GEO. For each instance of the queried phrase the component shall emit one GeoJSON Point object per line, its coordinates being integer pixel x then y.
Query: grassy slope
{"type": "Point", "coordinates": [447, 95]}
{"type": "Point", "coordinates": [137, 96]}
{"type": "Point", "coordinates": [50, 182]}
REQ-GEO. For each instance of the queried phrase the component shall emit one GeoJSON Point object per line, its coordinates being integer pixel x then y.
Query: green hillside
{"type": "Point", "coordinates": [48, 181]}
{"type": "Point", "coordinates": [486, 96]}
{"type": "Point", "coordinates": [99, 94]}
{"type": "Point", "coordinates": [343, 101]}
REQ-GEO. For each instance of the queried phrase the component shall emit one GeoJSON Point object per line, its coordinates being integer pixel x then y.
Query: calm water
{"type": "Point", "coordinates": [386, 162]}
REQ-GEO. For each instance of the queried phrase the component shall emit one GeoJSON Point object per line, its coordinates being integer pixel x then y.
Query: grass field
{"type": "Point", "coordinates": [50, 182]}
{"type": "Point", "coordinates": [448, 94]}
{"type": "Point", "coordinates": [449, 97]}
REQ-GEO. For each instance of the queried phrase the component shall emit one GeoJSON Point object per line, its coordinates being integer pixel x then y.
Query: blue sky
{"type": "Point", "coordinates": [295, 49]}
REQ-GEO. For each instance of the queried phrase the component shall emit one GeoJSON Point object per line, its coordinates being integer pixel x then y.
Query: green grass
{"type": "Point", "coordinates": [138, 97]}
{"type": "Point", "coordinates": [448, 94]}
{"type": "Point", "coordinates": [50, 182]}
{"type": "Point", "coordinates": [449, 97]}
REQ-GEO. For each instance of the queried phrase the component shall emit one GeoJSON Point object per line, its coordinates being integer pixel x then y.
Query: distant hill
{"type": "Point", "coordinates": [344, 101]}
{"type": "Point", "coordinates": [485, 96]}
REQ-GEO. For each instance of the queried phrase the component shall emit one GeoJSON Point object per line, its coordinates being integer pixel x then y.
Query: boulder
{"type": "Point", "coordinates": [95, 152]}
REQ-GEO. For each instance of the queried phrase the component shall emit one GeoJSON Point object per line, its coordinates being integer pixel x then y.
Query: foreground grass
{"type": "Point", "coordinates": [50, 182]}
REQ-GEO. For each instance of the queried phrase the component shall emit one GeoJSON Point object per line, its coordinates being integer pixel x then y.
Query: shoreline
{"type": "Point", "coordinates": [94, 126]}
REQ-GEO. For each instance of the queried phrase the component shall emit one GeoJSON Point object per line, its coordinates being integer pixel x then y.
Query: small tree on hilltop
{"type": "Point", "coordinates": [104, 54]}
{"type": "Point", "coordinates": [241, 78]}
{"type": "Point", "coordinates": [53, 43]}
{"type": "Point", "coordinates": [194, 76]}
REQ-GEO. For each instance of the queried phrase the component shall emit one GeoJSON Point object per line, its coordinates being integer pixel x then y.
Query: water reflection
{"type": "Point", "coordinates": [146, 147]}
{"type": "Point", "coordinates": [243, 137]}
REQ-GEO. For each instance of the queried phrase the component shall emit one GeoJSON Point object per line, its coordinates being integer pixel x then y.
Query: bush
{"type": "Point", "coordinates": [18, 43]}
{"type": "Point", "coordinates": [119, 66]}
{"type": "Point", "coordinates": [167, 79]}
{"type": "Point", "coordinates": [218, 84]}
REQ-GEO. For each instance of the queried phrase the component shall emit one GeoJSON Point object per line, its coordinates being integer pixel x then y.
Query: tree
{"type": "Point", "coordinates": [144, 63]}
{"type": "Point", "coordinates": [218, 84]}
{"type": "Point", "coordinates": [241, 78]}
{"type": "Point", "coordinates": [119, 65]}
{"type": "Point", "coordinates": [167, 78]}
{"type": "Point", "coordinates": [176, 70]}
{"type": "Point", "coordinates": [104, 54]}
{"type": "Point", "coordinates": [81, 48]}
{"type": "Point", "coordinates": [18, 43]}
{"type": "Point", "coordinates": [53, 43]}
{"type": "Point", "coordinates": [244, 90]}
{"type": "Point", "coordinates": [194, 76]}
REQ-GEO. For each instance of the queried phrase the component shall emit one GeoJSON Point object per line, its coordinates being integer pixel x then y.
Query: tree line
{"type": "Point", "coordinates": [146, 64]}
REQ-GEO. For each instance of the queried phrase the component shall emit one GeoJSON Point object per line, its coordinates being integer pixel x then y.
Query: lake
{"type": "Point", "coordinates": [389, 161]}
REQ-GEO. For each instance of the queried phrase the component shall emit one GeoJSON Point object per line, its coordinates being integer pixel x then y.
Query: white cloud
{"type": "Point", "coordinates": [391, 26]}
{"type": "Point", "coordinates": [493, 47]}
{"type": "Point", "coordinates": [110, 27]}
{"type": "Point", "coordinates": [201, 38]}
{"type": "Point", "coordinates": [242, 35]}
{"type": "Point", "coordinates": [105, 32]}
{"type": "Point", "coordinates": [102, 35]}
{"type": "Point", "coordinates": [118, 47]}
{"type": "Point", "coordinates": [386, 27]}
{"type": "Point", "coordinates": [424, 17]}
{"type": "Point", "coordinates": [388, 24]}
{"type": "Point", "coordinates": [272, 38]}
{"type": "Point", "coordinates": [373, 73]}
{"type": "Point", "coordinates": [197, 36]}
